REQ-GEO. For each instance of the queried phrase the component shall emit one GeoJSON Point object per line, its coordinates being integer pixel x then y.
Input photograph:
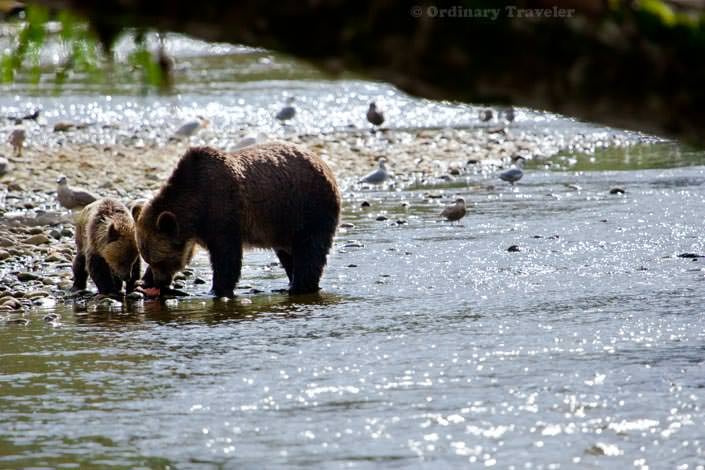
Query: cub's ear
{"type": "Point", "coordinates": [113, 234]}
{"type": "Point", "coordinates": [136, 209]}
{"type": "Point", "coordinates": [166, 223]}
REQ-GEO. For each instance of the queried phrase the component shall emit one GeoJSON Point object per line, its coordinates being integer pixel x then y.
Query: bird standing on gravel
{"type": "Point", "coordinates": [191, 128]}
{"type": "Point", "coordinates": [72, 198]}
{"type": "Point", "coordinates": [16, 139]}
{"type": "Point", "coordinates": [287, 112]}
{"type": "Point", "coordinates": [509, 114]}
{"type": "Point", "coordinates": [374, 116]}
{"type": "Point", "coordinates": [514, 174]}
{"type": "Point", "coordinates": [455, 212]}
{"type": "Point", "coordinates": [485, 115]}
{"type": "Point", "coordinates": [377, 176]}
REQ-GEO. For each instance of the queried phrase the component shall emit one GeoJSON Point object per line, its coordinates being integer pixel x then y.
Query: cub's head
{"type": "Point", "coordinates": [120, 246]}
{"type": "Point", "coordinates": [162, 244]}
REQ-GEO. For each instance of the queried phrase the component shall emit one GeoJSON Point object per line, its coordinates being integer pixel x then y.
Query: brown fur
{"type": "Point", "coordinates": [273, 195]}
{"type": "Point", "coordinates": [106, 247]}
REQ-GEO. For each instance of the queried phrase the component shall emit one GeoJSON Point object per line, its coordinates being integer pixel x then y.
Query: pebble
{"type": "Point", "coordinates": [134, 296]}
{"type": "Point", "coordinates": [55, 234]}
{"type": "Point", "coordinates": [365, 204]}
{"type": "Point", "coordinates": [5, 242]}
{"type": "Point", "coordinates": [66, 232]}
{"type": "Point", "coordinates": [34, 231]}
{"type": "Point", "coordinates": [513, 249]}
{"type": "Point", "coordinates": [380, 218]}
{"type": "Point", "coordinates": [12, 303]}
{"type": "Point", "coordinates": [617, 191]}
{"type": "Point", "coordinates": [198, 280]}
{"type": "Point", "coordinates": [39, 239]}
{"type": "Point", "coordinates": [27, 276]}
{"type": "Point", "coordinates": [347, 225]}
{"type": "Point", "coordinates": [4, 255]}
{"type": "Point", "coordinates": [353, 245]}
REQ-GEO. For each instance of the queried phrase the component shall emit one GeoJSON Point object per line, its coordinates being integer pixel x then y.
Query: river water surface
{"type": "Point", "coordinates": [430, 345]}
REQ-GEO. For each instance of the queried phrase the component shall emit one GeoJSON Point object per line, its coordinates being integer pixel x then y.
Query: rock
{"type": "Point", "coordinates": [35, 231]}
{"type": "Point", "coordinates": [50, 317]}
{"type": "Point", "coordinates": [690, 255]}
{"type": "Point", "coordinates": [5, 242]}
{"type": "Point", "coordinates": [134, 296]}
{"type": "Point", "coordinates": [4, 165]}
{"type": "Point", "coordinates": [513, 249]}
{"type": "Point", "coordinates": [14, 187]}
{"type": "Point", "coordinates": [27, 276]}
{"type": "Point", "coordinates": [63, 126]}
{"type": "Point", "coordinates": [4, 255]}
{"type": "Point", "coordinates": [39, 239]}
{"type": "Point", "coordinates": [67, 232]}
{"type": "Point", "coordinates": [401, 222]}
{"type": "Point", "coordinates": [347, 225]}
{"type": "Point", "coordinates": [353, 245]}
{"type": "Point", "coordinates": [178, 285]}
{"type": "Point", "coordinates": [617, 191]}
{"type": "Point", "coordinates": [352, 266]}
{"type": "Point", "coordinates": [12, 303]}
{"type": "Point", "coordinates": [380, 218]}
{"type": "Point", "coordinates": [53, 258]}
{"type": "Point", "coordinates": [198, 280]}
{"type": "Point", "coordinates": [365, 204]}
{"type": "Point", "coordinates": [55, 234]}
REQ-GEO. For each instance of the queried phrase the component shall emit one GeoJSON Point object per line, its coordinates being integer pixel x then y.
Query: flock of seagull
{"type": "Point", "coordinates": [75, 198]}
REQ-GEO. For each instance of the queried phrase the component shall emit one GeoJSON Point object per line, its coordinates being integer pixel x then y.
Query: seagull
{"type": "Point", "coordinates": [72, 198]}
{"type": "Point", "coordinates": [377, 176]}
{"type": "Point", "coordinates": [249, 140]}
{"type": "Point", "coordinates": [190, 128]}
{"type": "Point", "coordinates": [509, 114]}
{"type": "Point", "coordinates": [485, 115]}
{"type": "Point", "coordinates": [287, 112]}
{"type": "Point", "coordinates": [514, 174]}
{"type": "Point", "coordinates": [375, 117]}
{"type": "Point", "coordinates": [456, 211]}
{"type": "Point", "coordinates": [16, 139]}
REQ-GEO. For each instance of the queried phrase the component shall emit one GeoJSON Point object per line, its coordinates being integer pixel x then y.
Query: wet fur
{"type": "Point", "coordinates": [275, 195]}
{"type": "Point", "coordinates": [106, 248]}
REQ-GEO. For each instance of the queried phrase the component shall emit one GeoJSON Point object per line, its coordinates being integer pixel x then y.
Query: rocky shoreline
{"type": "Point", "coordinates": [36, 234]}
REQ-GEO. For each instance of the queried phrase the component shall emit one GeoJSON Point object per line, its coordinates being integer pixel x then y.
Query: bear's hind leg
{"type": "Point", "coordinates": [80, 275]}
{"type": "Point", "coordinates": [309, 258]}
{"type": "Point", "coordinates": [102, 276]}
{"type": "Point", "coordinates": [287, 262]}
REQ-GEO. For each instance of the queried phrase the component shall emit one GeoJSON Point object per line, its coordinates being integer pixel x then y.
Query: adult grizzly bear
{"type": "Point", "coordinates": [106, 247]}
{"type": "Point", "coordinates": [273, 195]}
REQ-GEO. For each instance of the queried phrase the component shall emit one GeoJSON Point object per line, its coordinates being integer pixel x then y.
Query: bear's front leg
{"type": "Point", "coordinates": [226, 261]}
{"type": "Point", "coordinates": [102, 276]}
{"type": "Point", "coordinates": [134, 276]}
{"type": "Point", "coordinates": [80, 275]}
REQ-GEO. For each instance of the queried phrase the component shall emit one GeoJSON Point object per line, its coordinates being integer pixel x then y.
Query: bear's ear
{"type": "Point", "coordinates": [113, 234]}
{"type": "Point", "coordinates": [136, 210]}
{"type": "Point", "coordinates": [166, 223]}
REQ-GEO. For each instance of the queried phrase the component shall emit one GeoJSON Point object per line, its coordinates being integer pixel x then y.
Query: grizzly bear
{"type": "Point", "coordinates": [272, 195]}
{"type": "Point", "coordinates": [106, 247]}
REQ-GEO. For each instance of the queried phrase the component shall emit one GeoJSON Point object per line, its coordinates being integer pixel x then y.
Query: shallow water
{"type": "Point", "coordinates": [430, 344]}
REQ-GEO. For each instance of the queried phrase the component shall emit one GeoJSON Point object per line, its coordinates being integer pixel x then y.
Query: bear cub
{"type": "Point", "coordinates": [106, 248]}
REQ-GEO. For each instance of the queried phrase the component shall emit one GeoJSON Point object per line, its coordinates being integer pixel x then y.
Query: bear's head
{"type": "Point", "coordinates": [162, 245]}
